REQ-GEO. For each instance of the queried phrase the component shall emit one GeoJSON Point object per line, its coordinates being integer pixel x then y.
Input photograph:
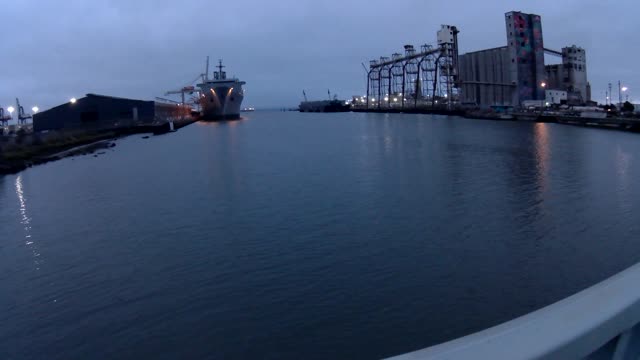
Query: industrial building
{"type": "Point", "coordinates": [555, 97]}
{"type": "Point", "coordinates": [98, 112]}
{"type": "Point", "coordinates": [420, 77]}
{"type": "Point", "coordinates": [571, 75]}
{"type": "Point", "coordinates": [511, 75]}
{"type": "Point", "coordinates": [485, 78]}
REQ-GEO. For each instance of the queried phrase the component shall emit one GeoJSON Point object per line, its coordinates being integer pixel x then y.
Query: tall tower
{"type": "Point", "coordinates": [574, 62]}
{"type": "Point", "coordinates": [448, 63]}
{"type": "Point", "coordinates": [526, 51]}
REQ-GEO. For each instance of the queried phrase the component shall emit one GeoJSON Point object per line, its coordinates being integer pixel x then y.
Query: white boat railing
{"type": "Point", "coordinates": [601, 322]}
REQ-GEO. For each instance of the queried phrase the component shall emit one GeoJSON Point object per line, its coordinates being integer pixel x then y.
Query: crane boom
{"type": "Point", "coordinates": [185, 90]}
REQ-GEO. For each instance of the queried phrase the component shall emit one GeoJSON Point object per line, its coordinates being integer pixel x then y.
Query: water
{"type": "Point", "coordinates": [309, 236]}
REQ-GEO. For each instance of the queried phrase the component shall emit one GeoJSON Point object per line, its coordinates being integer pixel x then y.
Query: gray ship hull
{"type": "Point", "coordinates": [221, 100]}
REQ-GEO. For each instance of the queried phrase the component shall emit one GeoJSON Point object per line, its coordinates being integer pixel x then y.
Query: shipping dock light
{"type": "Point", "coordinates": [35, 109]}
{"type": "Point", "coordinates": [73, 100]}
{"type": "Point", "coordinates": [10, 109]}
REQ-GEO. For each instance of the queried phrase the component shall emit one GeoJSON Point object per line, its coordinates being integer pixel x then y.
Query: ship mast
{"type": "Point", "coordinates": [220, 66]}
{"type": "Point", "coordinates": [207, 71]}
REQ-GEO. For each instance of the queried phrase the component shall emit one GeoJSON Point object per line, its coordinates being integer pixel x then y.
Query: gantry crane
{"type": "Point", "coordinates": [22, 116]}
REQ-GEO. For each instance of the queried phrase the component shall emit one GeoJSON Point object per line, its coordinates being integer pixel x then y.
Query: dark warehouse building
{"type": "Point", "coordinates": [95, 112]}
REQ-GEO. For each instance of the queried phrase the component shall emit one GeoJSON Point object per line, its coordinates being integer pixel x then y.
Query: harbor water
{"type": "Point", "coordinates": [309, 236]}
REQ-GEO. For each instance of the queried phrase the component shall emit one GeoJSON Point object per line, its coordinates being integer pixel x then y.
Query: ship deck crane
{"type": "Point", "coordinates": [190, 89]}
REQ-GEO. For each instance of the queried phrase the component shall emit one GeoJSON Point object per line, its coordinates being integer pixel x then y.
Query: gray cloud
{"type": "Point", "coordinates": [55, 50]}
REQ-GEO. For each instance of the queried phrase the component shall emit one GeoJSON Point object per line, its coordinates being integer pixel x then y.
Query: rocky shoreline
{"type": "Point", "coordinates": [34, 149]}
{"type": "Point", "coordinates": [14, 161]}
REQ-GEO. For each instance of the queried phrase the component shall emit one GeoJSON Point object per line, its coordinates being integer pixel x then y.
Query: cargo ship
{"type": "Point", "coordinates": [332, 105]}
{"type": "Point", "coordinates": [220, 98]}
{"type": "Point", "coordinates": [324, 106]}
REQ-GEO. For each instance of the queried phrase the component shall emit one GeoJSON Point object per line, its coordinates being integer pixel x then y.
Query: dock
{"type": "Point", "coordinates": [625, 123]}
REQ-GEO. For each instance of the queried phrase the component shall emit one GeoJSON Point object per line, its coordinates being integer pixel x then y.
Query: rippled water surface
{"type": "Point", "coordinates": [309, 236]}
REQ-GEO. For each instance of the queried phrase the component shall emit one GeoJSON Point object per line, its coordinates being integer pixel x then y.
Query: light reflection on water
{"type": "Point", "coordinates": [26, 222]}
{"type": "Point", "coordinates": [623, 164]}
{"type": "Point", "coordinates": [542, 153]}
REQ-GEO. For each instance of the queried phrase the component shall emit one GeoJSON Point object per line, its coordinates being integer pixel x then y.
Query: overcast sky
{"type": "Point", "coordinates": [55, 50]}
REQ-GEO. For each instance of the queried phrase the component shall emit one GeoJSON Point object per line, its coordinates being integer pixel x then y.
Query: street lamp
{"type": "Point", "coordinates": [624, 90]}
{"type": "Point", "coordinates": [73, 100]}
{"type": "Point", "coordinates": [35, 109]}
{"type": "Point", "coordinates": [543, 85]}
{"type": "Point", "coordinates": [10, 109]}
